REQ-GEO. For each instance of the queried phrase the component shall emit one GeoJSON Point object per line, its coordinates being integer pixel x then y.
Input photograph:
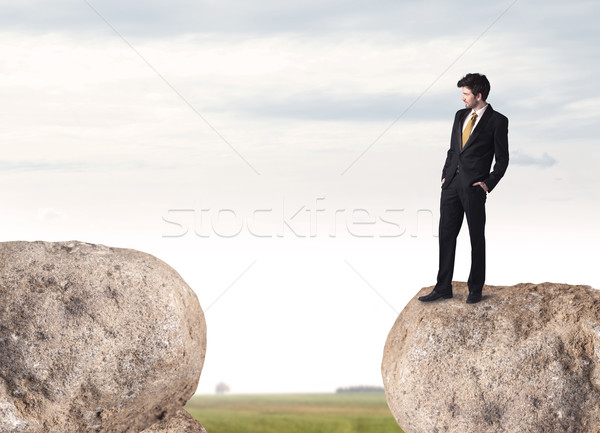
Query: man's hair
{"type": "Point", "coordinates": [477, 83]}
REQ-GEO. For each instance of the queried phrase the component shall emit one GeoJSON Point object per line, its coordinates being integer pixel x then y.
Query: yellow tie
{"type": "Point", "coordinates": [468, 129]}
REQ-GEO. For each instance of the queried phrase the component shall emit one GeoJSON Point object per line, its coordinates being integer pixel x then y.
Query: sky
{"type": "Point", "coordinates": [285, 157]}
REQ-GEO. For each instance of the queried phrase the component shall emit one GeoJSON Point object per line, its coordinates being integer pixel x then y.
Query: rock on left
{"type": "Point", "coordinates": [94, 339]}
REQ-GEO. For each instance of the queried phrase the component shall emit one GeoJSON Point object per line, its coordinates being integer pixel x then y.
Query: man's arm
{"type": "Point", "coordinates": [449, 158]}
{"type": "Point", "coordinates": [500, 154]}
{"type": "Point", "coordinates": [450, 154]}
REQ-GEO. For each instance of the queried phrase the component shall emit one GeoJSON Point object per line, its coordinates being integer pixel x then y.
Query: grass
{"type": "Point", "coordinates": [294, 413]}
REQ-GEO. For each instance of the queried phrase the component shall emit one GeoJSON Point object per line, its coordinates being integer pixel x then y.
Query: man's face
{"type": "Point", "coordinates": [468, 98]}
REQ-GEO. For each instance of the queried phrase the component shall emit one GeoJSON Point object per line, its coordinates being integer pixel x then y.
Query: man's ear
{"type": "Point", "coordinates": [479, 97]}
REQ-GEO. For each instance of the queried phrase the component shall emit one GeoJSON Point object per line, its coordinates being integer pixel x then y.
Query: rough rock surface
{"type": "Point", "coordinates": [180, 422]}
{"type": "Point", "coordinates": [525, 359]}
{"type": "Point", "coordinates": [93, 339]}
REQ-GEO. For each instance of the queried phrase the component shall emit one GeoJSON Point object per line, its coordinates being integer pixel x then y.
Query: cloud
{"type": "Point", "coordinates": [82, 166]}
{"type": "Point", "coordinates": [154, 18]}
{"type": "Point", "coordinates": [545, 161]}
{"type": "Point", "coordinates": [351, 107]}
{"type": "Point", "coordinates": [158, 18]}
{"type": "Point", "coordinates": [48, 214]}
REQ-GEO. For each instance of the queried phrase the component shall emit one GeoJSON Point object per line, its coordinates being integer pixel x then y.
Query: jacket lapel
{"type": "Point", "coordinates": [480, 126]}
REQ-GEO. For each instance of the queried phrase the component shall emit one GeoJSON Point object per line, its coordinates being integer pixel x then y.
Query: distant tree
{"type": "Point", "coordinates": [222, 388]}
{"type": "Point", "coordinates": [361, 388]}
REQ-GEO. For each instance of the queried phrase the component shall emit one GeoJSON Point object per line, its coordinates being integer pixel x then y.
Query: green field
{"type": "Point", "coordinates": [294, 413]}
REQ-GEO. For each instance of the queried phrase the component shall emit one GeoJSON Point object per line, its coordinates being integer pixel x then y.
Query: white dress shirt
{"type": "Point", "coordinates": [479, 114]}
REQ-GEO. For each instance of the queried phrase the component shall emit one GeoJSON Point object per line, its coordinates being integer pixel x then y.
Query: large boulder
{"type": "Point", "coordinates": [525, 359]}
{"type": "Point", "coordinates": [94, 339]}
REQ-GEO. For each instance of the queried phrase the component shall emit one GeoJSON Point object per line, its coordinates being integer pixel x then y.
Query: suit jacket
{"type": "Point", "coordinates": [488, 140]}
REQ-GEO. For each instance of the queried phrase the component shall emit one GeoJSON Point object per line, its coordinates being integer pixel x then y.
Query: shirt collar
{"type": "Point", "coordinates": [480, 111]}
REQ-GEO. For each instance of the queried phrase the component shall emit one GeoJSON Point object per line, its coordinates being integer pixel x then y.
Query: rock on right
{"type": "Point", "coordinates": [525, 359]}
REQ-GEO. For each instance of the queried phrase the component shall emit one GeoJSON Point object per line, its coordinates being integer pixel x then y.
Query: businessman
{"type": "Point", "coordinates": [479, 136]}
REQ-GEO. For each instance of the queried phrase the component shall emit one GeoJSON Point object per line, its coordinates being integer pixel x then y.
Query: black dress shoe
{"type": "Point", "coordinates": [434, 296]}
{"type": "Point", "coordinates": [473, 298]}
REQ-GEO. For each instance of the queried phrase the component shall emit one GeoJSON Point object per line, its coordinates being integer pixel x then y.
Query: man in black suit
{"type": "Point", "coordinates": [479, 135]}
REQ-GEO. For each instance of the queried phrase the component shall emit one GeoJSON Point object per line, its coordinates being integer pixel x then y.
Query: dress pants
{"type": "Point", "coordinates": [458, 200]}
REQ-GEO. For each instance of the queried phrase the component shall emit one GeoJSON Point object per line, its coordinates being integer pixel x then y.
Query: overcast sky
{"type": "Point", "coordinates": [285, 157]}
